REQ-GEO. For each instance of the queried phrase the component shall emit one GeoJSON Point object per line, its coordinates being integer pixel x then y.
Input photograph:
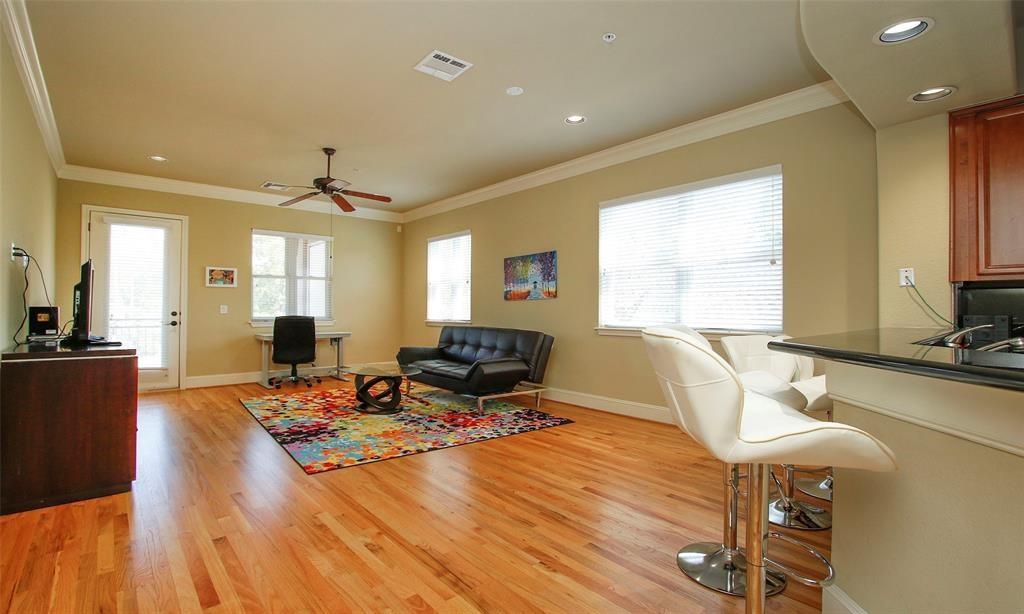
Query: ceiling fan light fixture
{"type": "Point", "coordinates": [904, 30]}
{"type": "Point", "coordinates": [575, 120]}
{"type": "Point", "coordinates": [515, 90]}
{"type": "Point", "coordinates": [933, 93]}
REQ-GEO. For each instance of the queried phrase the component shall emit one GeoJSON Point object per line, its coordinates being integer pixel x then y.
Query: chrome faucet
{"type": "Point", "coordinates": [961, 337]}
{"type": "Point", "coordinates": [1014, 344]}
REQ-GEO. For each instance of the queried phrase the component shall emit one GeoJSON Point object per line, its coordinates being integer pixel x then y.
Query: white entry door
{"type": "Point", "coordinates": [137, 289]}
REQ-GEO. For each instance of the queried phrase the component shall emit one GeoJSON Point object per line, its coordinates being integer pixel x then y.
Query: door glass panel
{"type": "Point", "coordinates": [138, 306]}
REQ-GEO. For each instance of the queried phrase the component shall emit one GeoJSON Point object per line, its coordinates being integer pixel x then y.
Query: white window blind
{"type": "Point", "coordinates": [291, 275]}
{"type": "Point", "coordinates": [138, 291]}
{"type": "Point", "coordinates": [707, 255]}
{"type": "Point", "coordinates": [448, 277]}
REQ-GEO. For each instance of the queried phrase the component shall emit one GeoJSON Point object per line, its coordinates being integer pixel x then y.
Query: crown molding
{"type": "Point", "coordinates": [23, 48]}
{"type": "Point", "coordinates": [801, 101]}
{"type": "Point", "coordinates": [204, 190]}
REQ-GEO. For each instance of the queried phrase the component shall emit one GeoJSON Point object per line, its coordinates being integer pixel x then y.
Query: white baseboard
{"type": "Point", "coordinates": [221, 379]}
{"type": "Point", "coordinates": [834, 600]}
{"type": "Point", "coordinates": [633, 409]}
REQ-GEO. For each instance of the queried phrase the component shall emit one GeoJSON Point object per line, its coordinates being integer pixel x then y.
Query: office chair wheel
{"type": "Point", "coordinates": [278, 386]}
{"type": "Point", "coordinates": [318, 381]}
{"type": "Point", "coordinates": [309, 385]}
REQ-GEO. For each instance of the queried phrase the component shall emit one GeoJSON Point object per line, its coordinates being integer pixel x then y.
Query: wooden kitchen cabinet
{"type": "Point", "coordinates": [986, 173]}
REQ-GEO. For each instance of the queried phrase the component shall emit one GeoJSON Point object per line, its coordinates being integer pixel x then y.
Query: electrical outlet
{"type": "Point", "coordinates": [13, 248]}
{"type": "Point", "coordinates": [223, 309]}
{"type": "Point", "coordinates": [907, 278]}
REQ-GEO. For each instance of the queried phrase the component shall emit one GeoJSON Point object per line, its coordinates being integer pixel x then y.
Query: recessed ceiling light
{"type": "Point", "coordinates": [515, 90]}
{"type": "Point", "coordinates": [933, 93]}
{"type": "Point", "coordinates": [609, 37]}
{"type": "Point", "coordinates": [158, 159]}
{"type": "Point", "coordinates": [574, 120]}
{"type": "Point", "coordinates": [904, 30]}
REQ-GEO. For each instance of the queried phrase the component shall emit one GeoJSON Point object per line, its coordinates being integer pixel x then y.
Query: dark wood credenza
{"type": "Point", "coordinates": [67, 424]}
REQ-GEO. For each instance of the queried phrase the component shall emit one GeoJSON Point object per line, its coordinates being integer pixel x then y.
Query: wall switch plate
{"type": "Point", "coordinates": [223, 309]}
{"type": "Point", "coordinates": [13, 247]}
{"type": "Point", "coordinates": [907, 278]}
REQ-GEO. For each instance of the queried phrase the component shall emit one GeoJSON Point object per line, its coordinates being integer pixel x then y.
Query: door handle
{"type": "Point", "coordinates": [174, 313]}
{"type": "Point", "coordinates": [173, 323]}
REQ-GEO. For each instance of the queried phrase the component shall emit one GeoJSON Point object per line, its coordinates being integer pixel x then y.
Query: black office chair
{"type": "Point", "coordinates": [294, 344]}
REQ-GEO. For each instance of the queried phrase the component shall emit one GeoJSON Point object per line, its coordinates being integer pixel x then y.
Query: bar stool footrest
{"type": "Point", "coordinates": [792, 573]}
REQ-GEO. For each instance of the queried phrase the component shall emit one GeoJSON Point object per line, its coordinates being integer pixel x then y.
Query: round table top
{"type": "Point", "coordinates": [383, 369]}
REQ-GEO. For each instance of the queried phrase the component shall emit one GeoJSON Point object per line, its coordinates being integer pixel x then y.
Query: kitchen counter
{"type": "Point", "coordinates": [954, 420]}
{"type": "Point", "coordinates": [894, 349]}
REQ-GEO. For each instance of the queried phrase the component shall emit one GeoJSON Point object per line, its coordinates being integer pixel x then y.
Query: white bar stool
{"type": "Point", "coordinates": [790, 380]}
{"type": "Point", "coordinates": [709, 402]}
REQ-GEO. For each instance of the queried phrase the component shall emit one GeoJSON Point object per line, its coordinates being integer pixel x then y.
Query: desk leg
{"type": "Point", "coordinates": [265, 364]}
{"type": "Point", "coordinates": [339, 357]}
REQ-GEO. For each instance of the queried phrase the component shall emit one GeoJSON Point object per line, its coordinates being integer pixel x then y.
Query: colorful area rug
{"type": "Point", "coordinates": [321, 430]}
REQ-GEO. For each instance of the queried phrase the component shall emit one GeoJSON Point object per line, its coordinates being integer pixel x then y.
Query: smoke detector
{"type": "Point", "coordinates": [444, 66]}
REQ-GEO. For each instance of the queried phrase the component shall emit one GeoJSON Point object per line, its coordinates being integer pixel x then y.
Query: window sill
{"type": "Point", "coordinates": [270, 323]}
{"type": "Point", "coordinates": [709, 334]}
{"type": "Point", "coordinates": [448, 322]}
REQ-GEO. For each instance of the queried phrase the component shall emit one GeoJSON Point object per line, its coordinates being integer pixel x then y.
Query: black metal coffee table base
{"type": "Point", "coordinates": [385, 401]}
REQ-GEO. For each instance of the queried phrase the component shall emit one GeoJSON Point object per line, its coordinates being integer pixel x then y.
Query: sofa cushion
{"type": "Point", "coordinates": [444, 368]}
{"type": "Point", "coordinates": [469, 344]}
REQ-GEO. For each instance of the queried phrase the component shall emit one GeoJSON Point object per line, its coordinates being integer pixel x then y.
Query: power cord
{"type": "Point", "coordinates": [925, 301]}
{"type": "Point", "coordinates": [19, 252]}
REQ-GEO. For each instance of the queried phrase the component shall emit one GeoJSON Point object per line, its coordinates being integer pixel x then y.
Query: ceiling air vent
{"type": "Point", "coordinates": [270, 185]}
{"type": "Point", "coordinates": [443, 65]}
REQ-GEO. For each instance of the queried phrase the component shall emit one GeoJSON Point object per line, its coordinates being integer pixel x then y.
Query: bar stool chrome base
{"type": "Point", "coordinates": [713, 566]}
{"type": "Point", "coordinates": [799, 515]}
{"type": "Point", "coordinates": [815, 487]}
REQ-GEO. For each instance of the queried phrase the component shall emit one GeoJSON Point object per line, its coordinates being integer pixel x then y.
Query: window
{"type": "Point", "coordinates": [707, 255]}
{"type": "Point", "coordinates": [448, 277]}
{"type": "Point", "coordinates": [291, 275]}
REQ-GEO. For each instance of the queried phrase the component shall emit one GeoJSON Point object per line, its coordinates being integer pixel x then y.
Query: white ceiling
{"type": "Point", "coordinates": [970, 46]}
{"type": "Point", "coordinates": [238, 93]}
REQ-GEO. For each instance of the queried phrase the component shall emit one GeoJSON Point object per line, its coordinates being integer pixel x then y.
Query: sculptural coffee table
{"type": "Point", "coordinates": [386, 399]}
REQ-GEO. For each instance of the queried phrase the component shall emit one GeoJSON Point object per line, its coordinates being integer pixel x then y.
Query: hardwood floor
{"type": "Point", "coordinates": [583, 517]}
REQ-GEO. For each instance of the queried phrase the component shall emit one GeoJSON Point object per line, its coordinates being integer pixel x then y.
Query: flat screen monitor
{"type": "Point", "coordinates": [82, 306]}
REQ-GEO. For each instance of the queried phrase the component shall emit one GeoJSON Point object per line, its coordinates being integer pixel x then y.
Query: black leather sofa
{"type": "Point", "coordinates": [478, 361]}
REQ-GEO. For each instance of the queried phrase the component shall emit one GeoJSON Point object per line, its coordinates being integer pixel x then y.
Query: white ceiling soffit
{"type": "Point", "coordinates": [970, 46]}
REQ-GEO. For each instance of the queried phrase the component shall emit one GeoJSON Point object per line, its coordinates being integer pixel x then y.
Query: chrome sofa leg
{"type": "Point", "coordinates": [723, 567]}
{"type": "Point", "coordinates": [786, 511]}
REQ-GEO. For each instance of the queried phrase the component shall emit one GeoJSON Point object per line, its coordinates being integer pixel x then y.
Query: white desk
{"type": "Point", "coordinates": [336, 338]}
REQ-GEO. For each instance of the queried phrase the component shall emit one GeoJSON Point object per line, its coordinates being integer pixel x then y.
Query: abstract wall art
{"type": "Point", "coordinates": [532, 277]}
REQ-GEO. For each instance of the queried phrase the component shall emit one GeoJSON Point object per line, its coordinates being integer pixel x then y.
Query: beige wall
{"type": "Point", "coordinates": [28, 198]}
{"type": "Point", "coordinates": [367, 265]}
{"type": "Point", "coordinates": [830, 278]}
{"type": "Point", "coordinates": [913, 220]}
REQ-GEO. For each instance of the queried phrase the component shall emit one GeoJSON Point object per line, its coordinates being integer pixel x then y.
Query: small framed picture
{"type": "Point", "coordinates": [221, 277]}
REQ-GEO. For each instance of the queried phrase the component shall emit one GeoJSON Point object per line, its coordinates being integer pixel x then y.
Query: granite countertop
{"type": "Point", "coordinates": [894, 349]}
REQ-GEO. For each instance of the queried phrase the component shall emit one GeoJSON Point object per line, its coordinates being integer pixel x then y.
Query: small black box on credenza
{"type": "Point", "coordinates": [43, 321]}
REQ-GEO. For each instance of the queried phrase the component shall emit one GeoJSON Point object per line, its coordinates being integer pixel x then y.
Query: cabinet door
{"type": "Point", "coordinates": [986, 151]}
{"type": "Point", "coordinates": [1001, 192]}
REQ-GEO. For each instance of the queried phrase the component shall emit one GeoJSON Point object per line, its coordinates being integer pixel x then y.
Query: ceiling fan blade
{"type": "Point", "coordinates": [341, 202]}
{"type": "Point", "coordinates": [383, 199]}
{"type": "Point", "coordinates": [297, 199]}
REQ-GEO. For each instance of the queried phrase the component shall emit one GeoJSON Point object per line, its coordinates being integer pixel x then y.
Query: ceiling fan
{"type": "Point", "coordinates": [334, 188]}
